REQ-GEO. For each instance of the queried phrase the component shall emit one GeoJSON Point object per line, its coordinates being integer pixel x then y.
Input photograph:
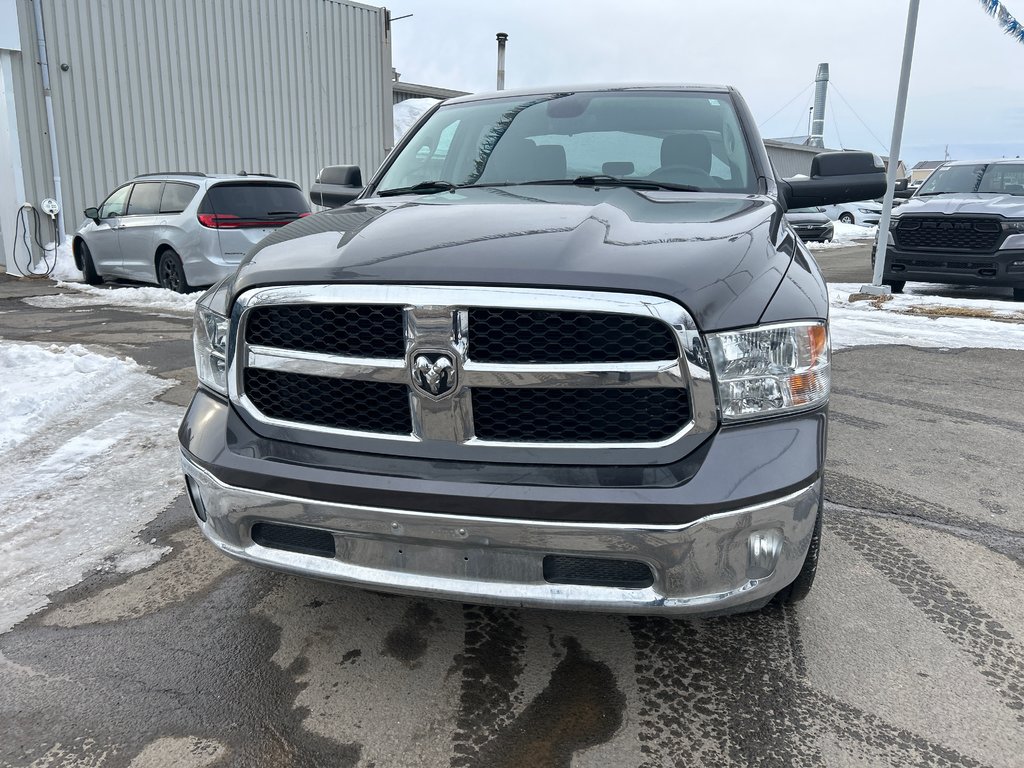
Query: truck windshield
{"type": "Point", "coordinates": [983, 178]}
{"type": "Point", "coordinates": [673, 139]}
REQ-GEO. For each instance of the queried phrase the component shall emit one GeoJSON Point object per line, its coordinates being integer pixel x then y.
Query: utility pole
{"type": "Point", "coordinates": [876, 286]}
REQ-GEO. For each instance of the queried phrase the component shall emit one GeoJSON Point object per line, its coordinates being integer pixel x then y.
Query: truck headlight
{"type": "Point", "coordinates": [1014, 226]}
{"type": "Point", "coordinates": [210, 340]}
{"type": "Point", "coordinates": [771, 370]}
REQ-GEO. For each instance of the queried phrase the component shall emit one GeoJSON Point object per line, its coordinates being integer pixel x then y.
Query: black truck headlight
{"type": "Point", "coordinates": [1014, 226]}
{"type": "Point", "coordinates": [771, 370]}
{"type": "Point", "coordinates": [210, 340]}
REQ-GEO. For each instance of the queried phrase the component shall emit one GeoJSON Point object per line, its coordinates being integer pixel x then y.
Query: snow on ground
{"type": "Point", "coordinates": [868, 322]}
{"type": "Point", "coordinates": [846, 234]}
{"type": "Point", "coordinates": [87, 460]}
{"type": "Point", "coordinates": [145, 297]}
{"type": "Point", "coordinates": [407, 112]}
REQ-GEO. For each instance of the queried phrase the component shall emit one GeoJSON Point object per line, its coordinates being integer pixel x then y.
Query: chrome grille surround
{"type": "Point", "coordinates": [436, 319]}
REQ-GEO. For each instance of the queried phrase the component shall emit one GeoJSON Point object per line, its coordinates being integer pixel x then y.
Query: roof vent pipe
{"type": "Point", "coordinates": [817, 137]}
{"type": "Point", "coordinates": [502, 39]}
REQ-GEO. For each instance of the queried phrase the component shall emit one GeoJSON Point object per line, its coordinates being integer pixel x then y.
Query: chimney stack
{"type": "Point", "coordinates": [502, 39]}
{"type": "Point", "coordinates": [817, 137]}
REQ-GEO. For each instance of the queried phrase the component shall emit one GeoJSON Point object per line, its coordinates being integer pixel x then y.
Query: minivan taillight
{"type": "Point", "coordinates": [228, 221]}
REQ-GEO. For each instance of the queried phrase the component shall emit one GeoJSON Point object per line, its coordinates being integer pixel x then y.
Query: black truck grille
{"type": "Point", "coordinates": [540, 336]}
{"type": "Point", "coordinates": [579, 415]}
{"type": "Point", "coordinates": [951, 233]}
{"type": "Point", "coordinates": [364, 406]}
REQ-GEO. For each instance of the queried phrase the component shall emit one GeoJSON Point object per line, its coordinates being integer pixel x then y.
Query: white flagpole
{"type": "Point", "coordinates": [894, 152]}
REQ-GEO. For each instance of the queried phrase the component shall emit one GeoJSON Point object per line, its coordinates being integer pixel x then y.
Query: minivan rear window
{"type": "Point", "coordinates": [176, 197]}
{"type": "Point", "coordinates": [255, 202]}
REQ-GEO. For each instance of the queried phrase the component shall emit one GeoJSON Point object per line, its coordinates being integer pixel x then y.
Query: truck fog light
{"type": "Point", "coordinates": [763, 548]}
{"type": "Point", "coordinates": [196, 498]}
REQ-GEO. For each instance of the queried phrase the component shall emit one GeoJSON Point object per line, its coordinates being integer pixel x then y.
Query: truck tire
{"type": "Point", "coordinates": [801, 586]}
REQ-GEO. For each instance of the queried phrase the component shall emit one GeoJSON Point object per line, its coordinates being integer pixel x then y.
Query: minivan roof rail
{"type": "Point", "coordinates": [172, 173]}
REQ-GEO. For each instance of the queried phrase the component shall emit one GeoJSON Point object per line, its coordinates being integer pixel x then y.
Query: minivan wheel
{"type": "Point", "coordinates": [92, 277]}
{"type": "Point", "coordinates": [846, 218]}
{"type": "Point", "coordinates": [170, 274]}
{"type": "Point", "coordinates": [801, 586]}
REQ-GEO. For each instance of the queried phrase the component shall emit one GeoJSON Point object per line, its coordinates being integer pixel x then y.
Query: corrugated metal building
{"type": "Point", "coordinates": [791, 159]}
{"type": "Point", "coordinates": [277, 86]}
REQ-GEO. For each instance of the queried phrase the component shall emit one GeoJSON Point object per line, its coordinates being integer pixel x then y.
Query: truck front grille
{"type": "Point", "coordinates": [949, 233]}
{"type": "Point", "coordinates": [469, 373]}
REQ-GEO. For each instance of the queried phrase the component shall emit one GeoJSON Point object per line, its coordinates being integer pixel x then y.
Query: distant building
{"type": "Point", "coordinates": [792, 156]}
{"type": "Point", "coordinates": [923, 170]}
{"type": "Point", "coordinates": [403, 91]}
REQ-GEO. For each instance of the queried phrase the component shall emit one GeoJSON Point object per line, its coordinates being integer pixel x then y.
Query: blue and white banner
{"type": "Point", "coordinates": [1010, 25]}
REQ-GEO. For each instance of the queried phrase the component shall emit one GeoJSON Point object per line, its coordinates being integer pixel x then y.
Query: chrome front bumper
{"type": "Point", "coordinates": [720, 563]}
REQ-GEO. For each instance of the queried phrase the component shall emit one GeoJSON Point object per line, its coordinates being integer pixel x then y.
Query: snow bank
{"type": "Point", "coordinates": [407, 112]}
{"type": "Point", "coordinates": [56, 262]}
{"type": "Point", "coordinates": [845, 235]}
{"type": "Point", "coordinates": [143, 298]}
{"type": "Point", "coordinates": [862, 323]}
{"type": "Point", "coordinates": [87, 460]}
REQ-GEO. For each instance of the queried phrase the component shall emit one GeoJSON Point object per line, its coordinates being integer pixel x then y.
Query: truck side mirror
{"type": "Point", "coordinates": [836, 177]}
{"type": "Point", "coordinates": [336, 185]}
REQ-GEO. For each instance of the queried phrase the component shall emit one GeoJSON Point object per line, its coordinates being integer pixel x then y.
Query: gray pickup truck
{"type": "Point", "coordinates": [561, 350]}
{"type": "Point", "coordinates": [964, 225]}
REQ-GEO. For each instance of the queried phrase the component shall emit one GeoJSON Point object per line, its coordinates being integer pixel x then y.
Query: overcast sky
{"type": "Point", "coordinates": [967, 87]}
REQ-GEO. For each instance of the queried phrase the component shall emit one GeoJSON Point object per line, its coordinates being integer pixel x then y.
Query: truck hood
{"type": "Point", "coordinates": [716, 254]}
{"type": "Point", "coordinates": [1009, 206]}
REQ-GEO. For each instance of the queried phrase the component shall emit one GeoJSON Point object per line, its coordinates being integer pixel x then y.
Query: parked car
{"type": "Point", "coordinates": [182, 230]}
{"type": "Point", "coordinates": [561, 350]}
{"type": "Point", "coordinates": [964, 225]}
{"type": "Point", "coordinates": [865, 213]}
{"type": "Point", "coordinates": [810, 224]}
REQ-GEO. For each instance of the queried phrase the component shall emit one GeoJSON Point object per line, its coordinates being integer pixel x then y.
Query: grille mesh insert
{"type": "Point", "coordinates": [957, 234]}
{"type": "Point", "coordinates": [540, 336]}
{"type": "Point", "coordinates": [366, 406]}
{"type": "Point", "coordinates": [337, 329]}
{"type": "Point", "coordinates": [579, 415]}
{"type": "Point", "coordinates": [294, 538]}
{"type": "Point", "coordinates": [597, 571]}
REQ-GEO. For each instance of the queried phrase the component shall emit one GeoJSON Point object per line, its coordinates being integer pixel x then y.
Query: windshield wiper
{"type": "Point", "coordinates": [600, 180]}
{"type": "Point", "coordinates": [439, 185]}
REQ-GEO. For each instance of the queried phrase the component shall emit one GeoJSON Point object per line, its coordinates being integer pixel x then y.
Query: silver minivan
{"type": "Point", "coordinates": [182, 230]}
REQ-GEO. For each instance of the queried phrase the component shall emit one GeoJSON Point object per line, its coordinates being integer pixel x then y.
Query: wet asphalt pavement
{"type": "Point", "coordinates": [909, 651]}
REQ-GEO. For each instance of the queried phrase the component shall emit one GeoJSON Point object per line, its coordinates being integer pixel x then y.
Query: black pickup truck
{"type": "Point", "coordinates": [561, 350]}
